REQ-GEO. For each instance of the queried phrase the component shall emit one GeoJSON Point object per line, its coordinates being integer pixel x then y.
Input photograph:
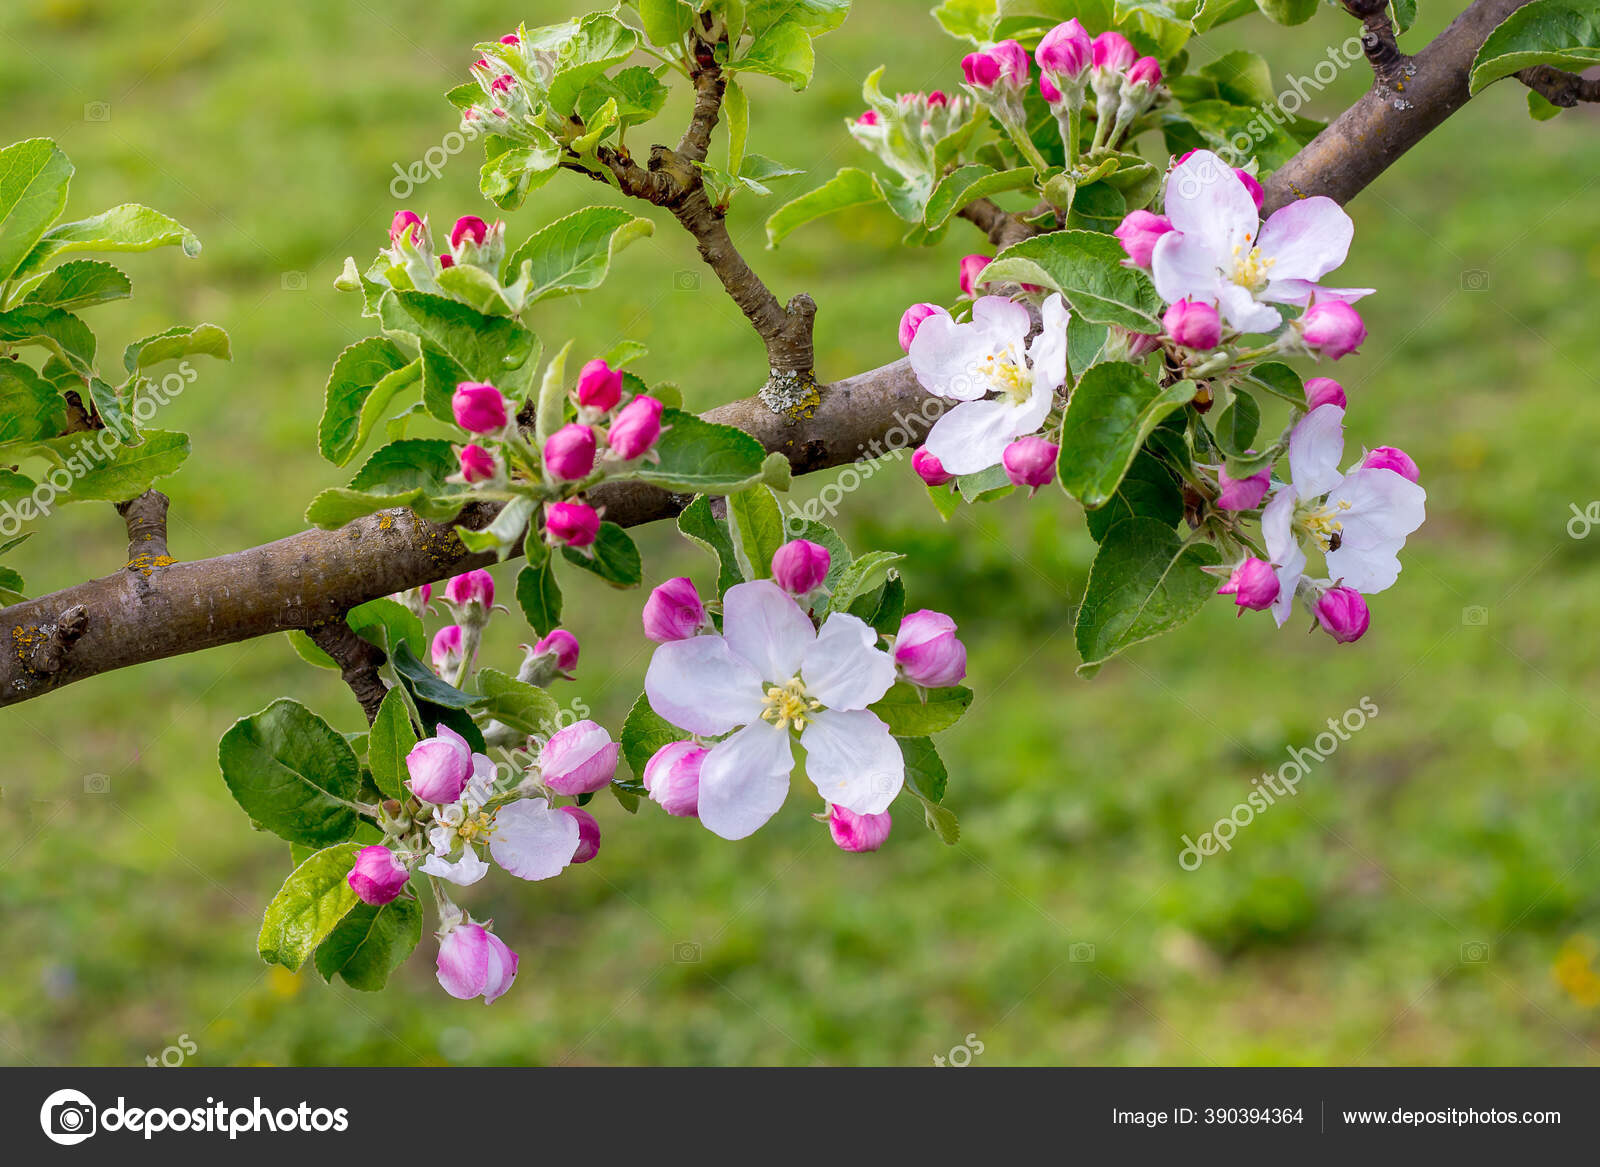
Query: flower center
{"type": "Point", "coordinates": [789, 703]}
{"type": "Point", "coordinates": [476, 826]}
{"type": "Point", "coordinates": [1324, 525]}
{"type": "Point", "coordinates": [1009, 376]}
{"type": "Point", "coordinates": [1251, 269]}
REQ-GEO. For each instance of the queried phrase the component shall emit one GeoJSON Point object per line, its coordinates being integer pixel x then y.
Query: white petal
{"type": "Point", "coordinates": [1290, 572]}
{"type": "Point", "coordinates": [1186, 267]}
{"type": "Point", "coordinates": [853, 760]}
{"type": "Point", "coordinates": [1306, 239]}
{"type": "Point", "coordinates": [464, 871]}
{"type": "Point", "coordinates": [974, 435]}
{"type": "Point", "coordinates": [532, 840]}
{"type": "Point", "coordinates": [1384, 508]}
{"type": "Point", "coordinates": [1315, 448]}
{"type": "Point", "coordinates": [743, 781]}
{"type": "Point", "coordinates": [1049, 351]}
{"type": "Point", "coordinates": [703, 686]}
{"type": "Point", "coordinates": [1239, 308]}
{"type": "Point", "coordinates": [1301, 291]}
{"type": "Point", "coordinates": [1206, 198]}
{"type": "Point", "coordinates": [1283, 550]}
{"type": "Point", "coordinates": [765, 626]}
{"type": "Point", "coordinates": [1005, 322]}
{"type": "Point", "coordinates": [949, 358]}
{"type": "Point", "coordinates": [844, 668]}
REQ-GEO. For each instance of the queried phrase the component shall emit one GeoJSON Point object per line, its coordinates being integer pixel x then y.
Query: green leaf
{"type": "Point", "coordinates": [701, 457]}
{"type": "Point", "coordinates": [1110, 414]}
{"type": "Point", "coordinates": [1148, 489]}
{"type": "Point", "coordinates": [968, 184]}
{"type": "Point", "coordinates": [425, 685]}
{"type": "Point", "coordinates": [1281, 381]}
{"type": "Point", "coordinates": [61, 333]}
{"type": "Point", "coordinates": [756, 530]}
{"type": "Point", "coordinates": [11, 585]}
{"type": "Point", "coordinates": [666, 22]}
{"type": "Point", "coordinates": [292, 773]}
{"type": "Point", "coordinates": [851, 187]}
{"type": "Point", "coordinates": [489, 348]}
{"type": "Point", "coordinates": [863, 577]}
{"type": "Point", "coordinates": [358, 371]}
{"type": "Point", "coordinates": [408, 464]}
{"type": "Point", "coordinates": [884, 608]}
{"type": "Point", "coordinates": [129, 227]}
{"type": "Point", "coordinates": [386, 622]}
{"type": "Point", "coordinates": [540, 596]}
{"type": "Point", "coordinates": [309, 905]}
{"type": "Point", "coordinates": [30, 406]}
{"type": "Point", "coordinates": [815, 16]}
{"type": "Point", "coordinates": [1288, 11]}
{"type": "Point", "coordinates": [1144, 582]}
{"type": "Point", "coordinates": [33, 191]}
{"type": "Point", "coordinates": [783, 50]}
{"type": "Point", "coordinates": [1564, 34]}
{"type": "Point", "coordinates": [552, 410]}
{"type": "Point", "coordinates": [972, 20]}
{"type": "Point", "coordinates": [379, 400]}
{"type": "Point", "coordinates": [392, 738]}
{"type": "Point", "coordinates": [1541, 108]}
{"type": "Point", "coordinates": [574, 254]}
{"type": "Point", "coordinates": [513, 172]}
{"type": "Point", "coordinates": [985, 486]}
{"type": "Point", "coordinates": [1237, 426]}
{"type": "Point", "coordinates": [926, 776]}
{"type": "Point", "coordinates": [176, 343]}
{"type": "Point", "coordinates": [643, 733]}
{"type": "Point", "coordinates": [1086, 268]}
{"type": "Point", "coordinates": [79, 283]}
{"type": "Point", "coordinates": [122, 473]}
{"type": "Point", "coordinates": [601, 41]}
{"type": "Point", "coordinates": [736, 109]}
{"type": "Point", "coordinates": [704, 530]}
{"type": "Point", "coordinates": [1405, 15]}
{"type": "Point", "coordinates": [524, 707]}
{"type": "Point", "coordinates": [909, 712]}
{"type": "Point", "coordinates": [501, 536]}
{"type": "Point", "coordinates": [615, 558]}
{"type": "Point", "coordinates": [370, 943]}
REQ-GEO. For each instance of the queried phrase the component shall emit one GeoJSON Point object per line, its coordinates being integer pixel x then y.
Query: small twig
{"type": "Point", "coordinates": [146, 517]}
{"type": "Point", "coordinates": [1559, 87]}
{"type": "Point", "coordinates": [1378, 41]}
{"type": "Point", "coordinates": [1002, 227]}
{"type": "Point", "coordinates": [359, 662]}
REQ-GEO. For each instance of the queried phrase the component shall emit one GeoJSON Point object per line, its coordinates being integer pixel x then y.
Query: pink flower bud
{"type": "Point", "coordinates": [938, 99]}
{"type": "Point", "coordinates": [1343, 614]}
{"type": "Point", "coordinates": [473, 587]}
{"type": "Point", "coordinates": [569, 452]}
{"type": "Point", "coordinates": [1138, 344]}
{"type": "Point", "coordinates": [377, 876]}
{"type": "Point", "coordinates": [446, 262]}
{"type": "Point", "coordinates": [474, 962]}
{"type": "Point", "coordinates": [857, 832]}
{"type": "Point", "coordinates": [504, 83]}
{"type": "Point", "coordinates": [561, 645]}
{"type": "Point", "coordinates": [800, 566]}
{"type": "Point", "coordinates": [927, 651]}
{"type": "Point", "coordinates": [1144, 71]}
{"type": "Point", "coordinates": [572, 524]}
{"type": "Point", "coordinates": [981, 70]}
{"type": "Point", "coordinates": [599, 386]}
{"type": "Point", "coordinates": [674, 612]}
{"type": "Point", "coordinates": [1112, 50]}
{"type": "Point", "coordinates": [1322, 391]}
{"type": "Point", "coordinates": [588, 834]}
{"type": "Point", "coordinates": [929, 468]}
{"type": "Point", "coordinates": [1193, 325]}
{"type": "Point", "coordinates": [636, 429]}
{"type": "Point", "coordinates": [1015, 65]}
{"type": "Point", "coordinates": [1242, 494]}
{"type": "Point", "coordinates": [1390, 458]}
{"type": "Point", "coordinates": [406, 223]}
{"type": "Point", "coordinates": [1138, 233]}
{"type": "Point", "coordinates": [870, 118]}
{"type": "Point", "coordinates": [1065, 51]}
{"type": "Point", "coordinates": [913, 320]}
{"type": "Point", "coordinates": [579, 759]}
{"type": "Point", "coordinates": [1253, 585]}
{"type": "Point", "coordinates": [1254, 187]}
{"type": "Point", "coordinates": [511, 38]}
{"type": "Point", "coordinates": [447, 649]}
{"type": "Point", "coordinates": [1030, 462]}
{"type": "Point", "coordinates": [439, 767]}
{"type": "Point", "coordinates": [479, 407]}
{"type": "Point", "coordinates": [672, 776]}
{"type": "Point", "coordinates": [971, 267]}
{"type": "Point", "coordinates": [468, 227]}
{"type": "Point", "coordinates": [1048, 90]}
{"type": "Point", "coordinates": [477, 464]}
{"type": "Point", "coordinates": [1332, 329]}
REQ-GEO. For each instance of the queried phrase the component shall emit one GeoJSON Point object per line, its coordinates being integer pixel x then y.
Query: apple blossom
{"type": "Point", "coordinates": [447, 649]}
{"type": "Point", "coordinates": [1390, 458]}
{"type": "Point", "coordinates": [1065, 53]}
{"type": "Point", "coordinates": [1257, 194]}
{"type": "Point", "coordinates": [561, 647]}
{"type": "Point", "coordinates": [1030, 462]}
{"type": "Point", "coordinates": [912, 320]}
{"type": "Point", "coordinates": [769, 674]}
{"type": "Point", "coordinates": [572, 524]}
{"type": "Point", "coordinates": [1331, 328]}
{"type": "Point", "coordinates": [1343, 614]}
{"type": "Point", "coordinates": [477, 464]}
{"type": "Point", "coordinates": [472, 590]}
{"type": "Point", "coordinates": [1145, 72]}
{"type": "Point", "coordinates": [588, 833]}
{"type": "Point", "coordinates": [1193, 325]}
{"type": "Point", "coordinates": [981, 70]}
{"type": "Point", "coordinates": [674, 612]}
{"type": "Point", "coordinates": [971, 267]}
{"type": "Point", "coordinates": [929, 468]}
{"type": "Point", "coordinates": [377, 876]}
{"type": "Point", "coordinates": [1324, 391]}
{"type": "Point", "coordinates": [569, 452]}
{"type": "Point", "coordinates": [857, 832]}
{"type": "Point", "coordinates": [672, 776]}
{"type": "Point", "coordinates": [1220, 253]}
{"type": "Point", "coordinates": [599, 387]}
{"type": "Point", "coordinates": [441, 766]}
{"type": "Point", "coordinates": [474, 962]}
{"type": "Point", "coordinates": [527, 837]}
{"type": "Point", "coordinates": [479, 407]}
{"type": "Point", "coordinates": [637, 428]}
{"type": "Point", "coordinates": [1138, 233]}
{"type": "Point", "coordinates": [579, 759]}
{"type": "Point", "coordinates": [1242, 494]}
{"type": "Point", "coordinates": [407, 225]}
{"type": "Point", "coordinates": [990, 354]}
{"type": "Point", "coordinates": [1111, 52]}
{"type": "Point", "coordinates": [1253, 585]}
{"type": "Point", "coordinates": [800, 566]}
{"type": "Point", "coordinates": [468, 227]}
{"type": "Point", "coordinates": [927, 652]}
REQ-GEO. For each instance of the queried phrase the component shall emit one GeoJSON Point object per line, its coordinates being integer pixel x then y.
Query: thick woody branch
{"type": "Point", "coordinates": [1559, 87]}
{"type": "Point", "coordinates": [359, 661]}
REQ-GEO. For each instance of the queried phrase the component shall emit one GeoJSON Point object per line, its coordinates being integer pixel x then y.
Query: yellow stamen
{"type": "Point", "coordinates": [1250, 270]}
{"type": "Point", "coordinates": [476, 826]}
{"type": "Point", "coordinates": [788, 704]}
{"type": "Point", "coordinates": [1009, 376]}
{"type": "Point", "coordinates": [1322, 524]}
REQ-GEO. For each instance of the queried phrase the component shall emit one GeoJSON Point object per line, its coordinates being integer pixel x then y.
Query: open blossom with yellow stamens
{"type": "Point", "coordinates": [772, 675]}
{"type": "Point", "coordinates": [1220, 252]}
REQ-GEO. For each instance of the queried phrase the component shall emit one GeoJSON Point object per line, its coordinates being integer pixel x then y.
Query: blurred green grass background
{"type": "Point", "coordinates": [1430, 896]}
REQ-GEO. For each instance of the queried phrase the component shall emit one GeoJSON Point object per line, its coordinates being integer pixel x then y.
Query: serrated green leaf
{"type": "Point", "coordinates": [1564, 34]}
{"type": "Point", "coordinates": [1148, 489]}
{"type": "Point", "coordinates": [782, 50]}
{"type": "Point", "coordinates": [1086, 268]}
{"type": "Point", "coordinates": [129, 227]}
{"type": "Point", "coordinates": [701, 457]}
{"type": "Point", "coordinates": [643, 733]}
{"type": "Point", "coordinates": [175, 344]}
{"type": "Point", "coordinates": [524, 707]}
{"type": "Point", "coordinates": [1145, 581]}
{"type": "Point", "coordinates": [865, 575]}
{"type": "Point", "coordinates": [489, 348]}
{"type": "Point", "coordinates": [30, 406]}
{"type": "Point", "coordinates": [370, 942]}
{"type": "Point", "coordinates": [702, 528]}
{"type": "Point", "coordinates": [425, 685]}
{"type": "Point", "coordinates": [851, 187]}
{"type": "Point", "coordinates": [79, 283]}
{"type": "Point", "coordinates": [540, 596]}
{"type": "Point", "coordinates": [33, 190]}
{"type": "Point", "coordinates": [574, 254]}
{"type": "Point", "coordinates": [360, 369]}
{"type": "Point", "coordinates": [756, 530]}
{"type": "Point", "coordinates": [292, 773]}
{"type": "Point", "coordinates": [392, 738]}
{"type": "Point", "coordinates": [309, 905]}
{"type": "Point", "coordinates": [1110, 414]}
{"type": "Point", "coordinates": [117, 474]}
{"type": "Point", "coordinates": [910, 713]}
{"type": "Point", "coordinates": [615, 557]}
{"type": "Point", "coordinates": [1238, 424]}
{"type": "Point", "coordinates": [968, 184]}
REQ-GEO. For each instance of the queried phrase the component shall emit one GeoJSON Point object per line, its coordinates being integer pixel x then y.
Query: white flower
{"type": "Point", "coordinates": [1360, 525]}
{"type": "Point", "coordinates": [989, 355]}
{"type": "Point", "coordinates": [1219, 252]}
{"type": "Point", "coordinates": [528, 837]}
{"type": "Point", "coordinates": [771, 672]}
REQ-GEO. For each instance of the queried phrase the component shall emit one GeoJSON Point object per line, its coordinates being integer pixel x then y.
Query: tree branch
{"type": "Point", "coordinates": [146, 517]}
{"type": "Point", "coordinates": [359, 662]}
{"type": "Point", "coordinates": [1559, 87]}
{"type": "Point", "coordinates": [1378, 41]}
{"type": "Point", "coordinates": [1002, 227]}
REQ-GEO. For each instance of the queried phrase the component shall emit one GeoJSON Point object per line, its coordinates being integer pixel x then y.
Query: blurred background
{"type": "Point", "coordinates": [1431, 895]}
